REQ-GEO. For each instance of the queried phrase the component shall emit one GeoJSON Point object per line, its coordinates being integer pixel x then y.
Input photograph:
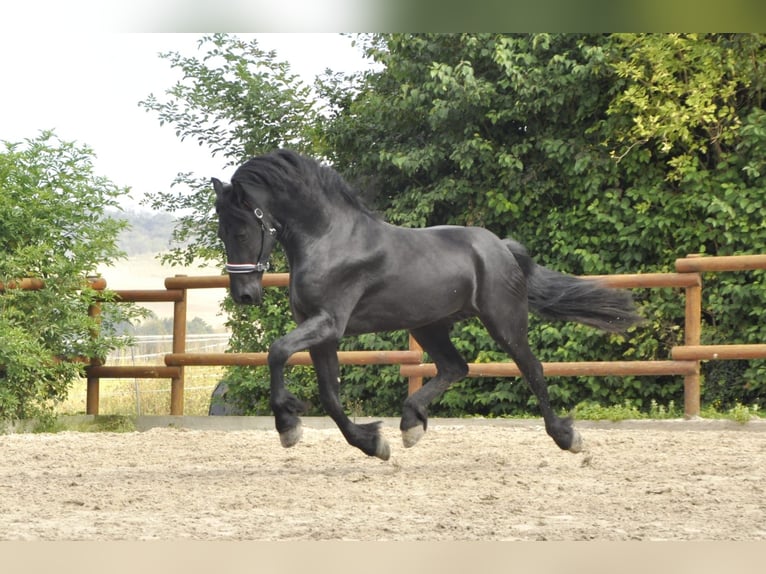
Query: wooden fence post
{"type": "Point", "coordinates": [692, 335]}
{"type": "Point", "coordinates": [179, 346]}
{"type": "Point", "coordinates": [93, 381]}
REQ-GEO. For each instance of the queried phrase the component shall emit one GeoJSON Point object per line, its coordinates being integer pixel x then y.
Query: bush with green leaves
{"type": "Point", "coordinates": [52, 227]}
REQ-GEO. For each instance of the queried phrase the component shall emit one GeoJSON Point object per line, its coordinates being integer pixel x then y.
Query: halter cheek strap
{"type": "Point", "coordinates": [267, 233]}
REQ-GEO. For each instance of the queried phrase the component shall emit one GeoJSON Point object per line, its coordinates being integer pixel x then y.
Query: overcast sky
{"type": "Point", "coordinates": [87, 87]}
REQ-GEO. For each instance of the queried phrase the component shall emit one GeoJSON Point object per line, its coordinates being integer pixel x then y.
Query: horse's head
{"type": "Point", "coordinates": [248, 237]}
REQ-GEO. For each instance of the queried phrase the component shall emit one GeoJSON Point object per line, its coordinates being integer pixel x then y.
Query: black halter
{"type": "Point", "coordinates": [262, 264]}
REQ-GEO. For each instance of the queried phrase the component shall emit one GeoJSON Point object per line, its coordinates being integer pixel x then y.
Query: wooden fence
{"type": "Point", "coordinates": [685, 359]}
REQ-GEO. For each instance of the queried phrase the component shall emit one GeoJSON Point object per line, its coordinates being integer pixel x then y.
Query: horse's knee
{"type": "Point", "coordinates": [278, 355]}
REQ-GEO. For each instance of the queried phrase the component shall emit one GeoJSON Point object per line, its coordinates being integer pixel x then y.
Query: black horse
{"type": "Point", "coordinates": [353, 273]}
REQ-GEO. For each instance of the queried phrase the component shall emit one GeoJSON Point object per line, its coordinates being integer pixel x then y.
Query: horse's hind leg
{"type": "Point", "coordinates": [509, 329]}
{"type": "Point", "coordinates": [450, 367]}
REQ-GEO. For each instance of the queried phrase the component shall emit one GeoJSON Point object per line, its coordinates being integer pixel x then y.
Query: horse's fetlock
{"type": "Point", "coordinates": [413, 414]}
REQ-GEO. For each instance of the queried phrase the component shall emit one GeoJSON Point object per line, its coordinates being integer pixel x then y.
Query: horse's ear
{"type": "Point", "coordinates": [218, 187]}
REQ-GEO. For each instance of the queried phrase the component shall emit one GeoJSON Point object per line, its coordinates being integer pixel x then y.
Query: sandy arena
{"type": "Point", "coordinates": [678, 480]}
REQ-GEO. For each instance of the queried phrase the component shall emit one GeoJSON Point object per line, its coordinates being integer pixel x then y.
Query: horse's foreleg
{"type": "Point", "coordinates": [365, 437]}
{"type": "Point", "coordinates": [285, 406]}
{"type": "Point", "coordinates": [450, 367]}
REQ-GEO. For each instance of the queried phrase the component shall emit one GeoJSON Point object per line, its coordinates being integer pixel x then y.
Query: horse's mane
{"type": "Point", "coordinates": [285, 169]}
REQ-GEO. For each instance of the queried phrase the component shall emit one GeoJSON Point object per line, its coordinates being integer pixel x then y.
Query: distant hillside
{"type": "Point", "coordinates": [148, 232]}
{"type": "Point", "coordinates": [146, 271]}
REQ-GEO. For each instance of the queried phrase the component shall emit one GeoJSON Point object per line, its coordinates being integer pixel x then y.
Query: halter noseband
{"type": "Point", "coordinates": [259, 266]}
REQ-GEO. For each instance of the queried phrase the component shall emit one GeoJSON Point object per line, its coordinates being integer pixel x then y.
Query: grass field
{"type": "Point", "coordinates": [132, 397]}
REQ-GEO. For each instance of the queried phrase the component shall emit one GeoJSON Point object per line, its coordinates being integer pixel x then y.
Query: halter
{"type": "Point", "coordinates": [259, 266]}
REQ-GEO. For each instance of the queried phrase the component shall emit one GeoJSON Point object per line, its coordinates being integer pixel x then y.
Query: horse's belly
{"type": "Point", "coordinates": [403, 309]}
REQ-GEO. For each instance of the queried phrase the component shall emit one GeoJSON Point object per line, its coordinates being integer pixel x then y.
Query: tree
{"type": "Point", "coordinates": [239, 101]}
{"type": "Point", "coordinates": [687, 128]}
{"type": "Point", "coordinates": [52, 227]}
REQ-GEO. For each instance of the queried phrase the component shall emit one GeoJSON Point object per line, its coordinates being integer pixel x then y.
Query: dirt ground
{"type": "Point", "coordinates": [461, 482]}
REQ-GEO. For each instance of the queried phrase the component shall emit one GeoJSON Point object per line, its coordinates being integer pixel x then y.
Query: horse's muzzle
{"type": "Point", "coordinates": [249, 299]}
{"type": "Point", "coordinates": [246, 290]}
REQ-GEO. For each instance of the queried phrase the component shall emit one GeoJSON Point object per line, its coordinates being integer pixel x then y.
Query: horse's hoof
{"type": "Point", "coordinates": [292, 436]}
{"type": "Point", "coordinates": [577, 442]}
{"type": "Point", "coordinates": [411, 436]}
{"type": "Point", "coordinates": [383, 450]}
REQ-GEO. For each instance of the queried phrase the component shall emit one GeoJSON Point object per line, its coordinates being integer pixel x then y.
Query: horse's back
{"type": "Point", "coordinates": [484, 250]}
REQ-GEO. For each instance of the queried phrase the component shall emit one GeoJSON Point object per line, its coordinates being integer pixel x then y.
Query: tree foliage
{"type": "Point", "coordinates": [601, 153]}
{"type": "Point", "coordinates": [52, 227]}
{"type": "Point", "coordinates": [239, 101]}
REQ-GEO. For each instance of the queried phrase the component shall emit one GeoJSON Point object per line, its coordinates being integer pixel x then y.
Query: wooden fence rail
{"type": "Point", "coordinates": [301, 358]}
{"type": "Point", "coordinates": [685, 358]}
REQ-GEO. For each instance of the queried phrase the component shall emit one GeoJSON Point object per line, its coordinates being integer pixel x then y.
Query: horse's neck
{"type": "Point", "coordinates": [319, 228]}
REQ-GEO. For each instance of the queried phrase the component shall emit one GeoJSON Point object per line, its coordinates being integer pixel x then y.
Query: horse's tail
{"type": "Point", "coordinates": [557, 296]}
